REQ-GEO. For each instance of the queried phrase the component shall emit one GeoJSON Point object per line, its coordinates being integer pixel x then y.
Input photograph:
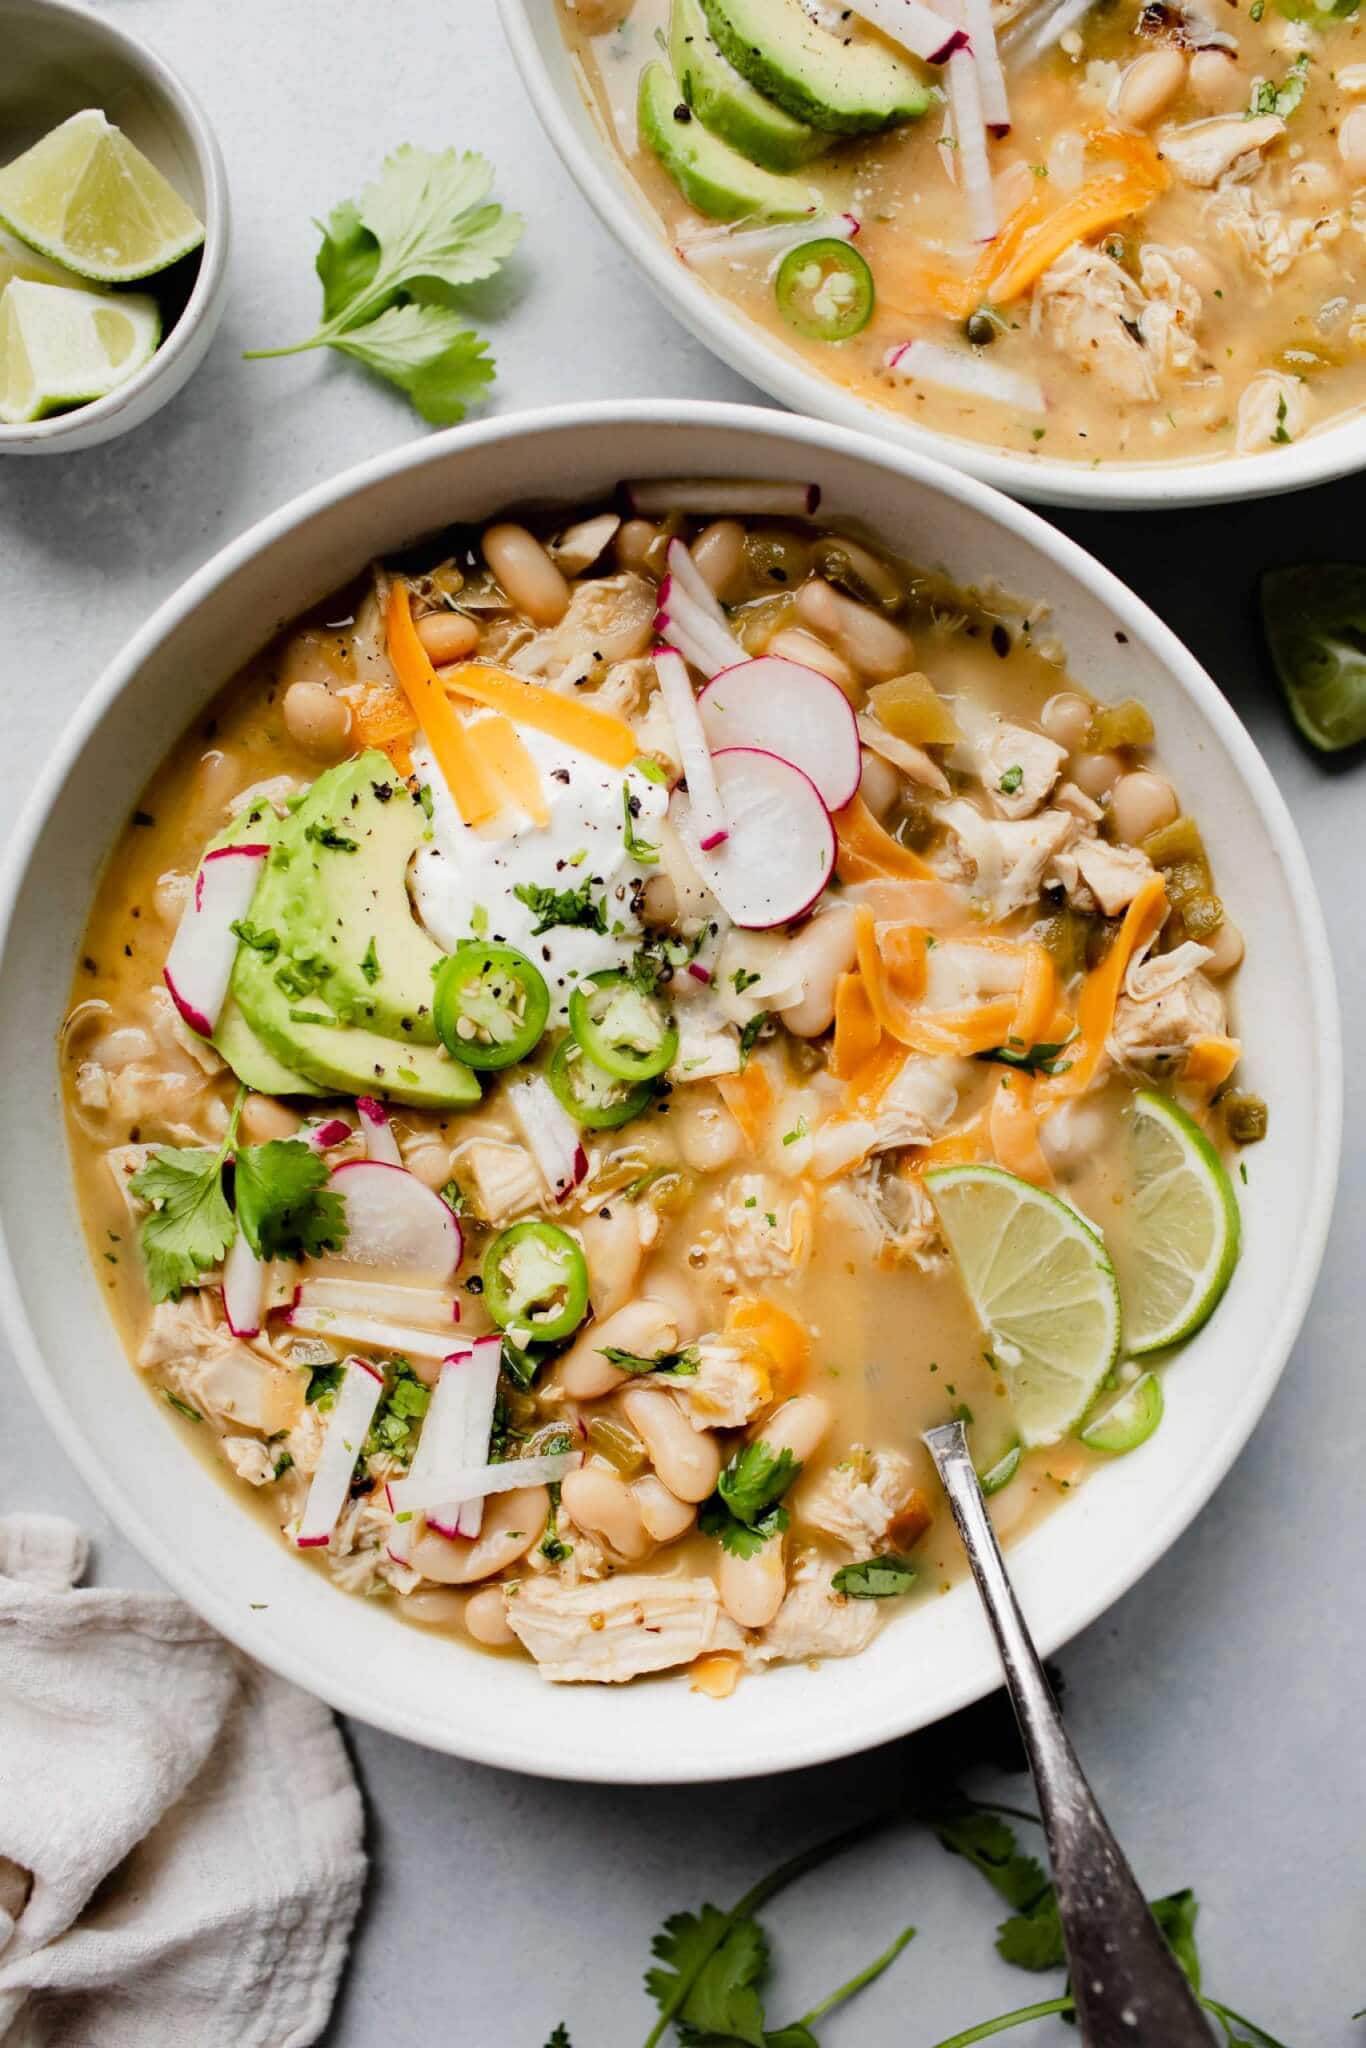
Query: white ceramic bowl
{"type": "Point", "coordinates": [352, 1651]}
{"type": "Point", "coordinates": [57, 60]}
{"type": "Point", "coordinates": [533, 33]}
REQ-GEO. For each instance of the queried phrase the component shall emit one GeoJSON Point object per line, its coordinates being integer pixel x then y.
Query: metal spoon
{"type": "Point", "coordinates": [1129, 1988]}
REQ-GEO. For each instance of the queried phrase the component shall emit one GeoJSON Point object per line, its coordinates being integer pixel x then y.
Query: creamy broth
{"type": "Point", "coordinates": [1223, 313]}
{"type": "Point", "coordinates": [784, 1283]}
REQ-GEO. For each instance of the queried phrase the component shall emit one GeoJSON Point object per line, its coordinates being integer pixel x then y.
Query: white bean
{"type": "Point", "coordinates": [664, 1515]}
{"type": "Point", "coordinates": [527, 574]}
{"type": "Point", "coordinates": [719, 552]}
{"type": "Point", "coordinates": [639, 546]}
{"type": "Point", "coordinates": [1352, 144]}
{"type": "Point", "coordinates": [875, 647]}
{"type": "Point", "coordinates": [706, 1133]}
{"type": "Point", "coordinates": [447, 636]}
{"type": "Point", "coordinates": [122, 1047]}
{"type": "Point", "coordinates": [486, 1618]}
{"type": "Point", "coordinates": [1076, 1131]}
{"type": "Point", "coordinates": [645, 1327]}
{"type": "Point", "coordinates": [797, 1426]}
{"type": "Point", "coordinates": [512, 1523]}
{"type": "Point", "coordinates": [1142, 803]}
{"type": "Point", "coordinates": [1066, 718]}
{"type": "Point", "coordinates": [611, 1245]}
{"type": "Point", "coordinates": [794, 643]}
{"type": "Point", "coordinates": [430, 1161]}
{"type": "Point", "coordinates": [879, 783]}
{"type": "Point", "coordinates": [661, 902]}
{"type": "Point", "coordinates": [820, 954]}
{"type": "Point", "coordinates": [1096, 774]}
{"type": "Point", "coordinates": [1214, 79]}
{"type": "Point", "coordinates": [317, 721]}
{"type": "Point", "coordinates": [601, 1502]}
{"type": "Point", "coordinates": [752, 1588]}
{"type": "Point", "coordinates": [435, 1610]}
{"type": "Point", "coordinates": [1149, 85]}
{"type": "Point", "coordinates": [1226, 947]}
{"type": "Point", "coordinates": [687, 1460]}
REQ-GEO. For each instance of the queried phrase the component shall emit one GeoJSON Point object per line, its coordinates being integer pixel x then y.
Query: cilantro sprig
{"type": "Point", "coordinates": [392, 264]}
{"type": "Point", "coordinates": [745, 1510]}
{"type": "Point", "coordinates": [551, 907]}
{"type": "Point", "coordinates": [683, 1363]}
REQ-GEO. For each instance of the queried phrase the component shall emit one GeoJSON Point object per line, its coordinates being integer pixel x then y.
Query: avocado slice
{"type": "Point", "coordinates": [714, 178]}
{"type": "Point", "coordinates": [728, 104]}
{"type": "Point", "coordinates": [251, 1058]}
{"type": "Point", "coordinates": [847, 86]}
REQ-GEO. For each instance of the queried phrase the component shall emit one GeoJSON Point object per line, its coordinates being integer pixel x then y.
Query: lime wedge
{"type": "Point", "coordinates": [18, 260]}
{"type": "Point", "coordinates": [1182, 1247]}
{"type": "Point", "coordinates": [1041, 1283]}
{"type": "Point", "coordinates": [87, 198]}
{"type": "Point", "coordinates": [60, 347]}
{"type": "Point", "coordinates": [1128, 1421]}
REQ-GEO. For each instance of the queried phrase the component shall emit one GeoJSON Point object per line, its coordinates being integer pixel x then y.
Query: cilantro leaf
{"type": "Point", "coordinates": [1029, 1059]}
{"type": "Point", "coordinates": [1270, 98]}
{"type": "Point", "coordinates": [552, 907]}
{"type": "Point", "coordinates": [989, 1844]}
{"type": "Point", "coordinates": [682, 1362]}
{"type": "Point", "coordinates": [749, 1037]}
{"type": "Point", "coordinates": [283, 1202]}
{"type": "Point", "coordinates": [560, 2038]}
{"type": "Point", "coordinates": [389, 264]}
{"type": "Point", "coordinates": [1176, 1915]}
{"type": "Point", "coordinates": [741, 1539]}
{"type": "Point", "coordinates": [1032, 1940]}
{"type": "Point", "coordinates": [323, 1382]}
{"type": "Point", "coordinates": [726, 1963]}
{"type": "Point", "coordinates": [190, 1225]}
{"type": "Point", "coordinates": [394, 1429]}
{"type": "Point", "coordinates": [877, 1578]}
{"type": "Point", "coordinates": [643, 851]}
{"type": "Point", "coordinates": [756, 1478]}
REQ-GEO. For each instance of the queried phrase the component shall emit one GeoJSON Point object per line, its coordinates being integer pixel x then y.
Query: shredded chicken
{"type": "Point", "coordinates": [891, 1209]}
{"type": "Point", "coordinates": [1228, 145]}
{"type": "Point", "coordinates": [1170, 317]}
{"type": "Point", "coordinates": [813, 1621]}
{"type": "Point", "coordinates": [857, 1502]}
{"type": "Point", "coordinates": [1273, 409]}
{"type": "Point", "coordinates": [1269, 240]}
{"type": "Point", "coordinates": [1168, 1003]}
{"type": "Point", "coordinates": [610, 619]}
{"type": "Point", "coordinates": [1004, 858]}
{"type": "Point", "coordinates": [501, 1179]}
{"type": "Point", "coordinates": [249, 1458]}
{"type": "Point", "coordinates": [124, 1162]}
{"type": "Point", "coordinates": [604, 1634]}
{"type": "Point", "coordinates": [913, 761]}
{"type": "Point", "coordinates": [1093, 311]}
{"type": "Point", "coordinates": [214, 1371]}
{"type": "Point", "coordinates": [708, 1043]}
{"type": "Point", "coordinates": [767, 1230]}
{"type": "Point", "coordinates": [729, 1387]}
{"type": "Point", "coordinates": [1096, 874]}
{"type": "Point", "coordinates": [1018, 767]}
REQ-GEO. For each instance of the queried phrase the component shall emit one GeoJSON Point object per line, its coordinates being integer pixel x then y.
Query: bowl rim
{"type": "Point", "coordinates": [822, 1741]}
{"type": "Point", "coordinates": [1320, 457]}
{"type": "Point", "coordinates": [213, 250]}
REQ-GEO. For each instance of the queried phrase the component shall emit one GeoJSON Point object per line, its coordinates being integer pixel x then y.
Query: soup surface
{"type": "Point", "coordinates": [558, 1128]}
{"type": "Point", "coordinates": [1155, 251]}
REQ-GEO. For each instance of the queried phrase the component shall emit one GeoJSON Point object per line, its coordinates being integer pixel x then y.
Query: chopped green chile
{"type": "Point", "coordinates": [825, 290]}
{"type": "Point", "coordinates": [1126, 724]}
{"type": "Point", "coordinates": [621, 1447]}
{"type": "Point", "coordinates": [536, 1279]}
{"type": "Point", "coordinates": [627, 1033]}
{"type": "Point", "coordinates": [1002, 1472]}
{"type": "Point", "coordinates": [1245, 1118]}
{"type": "Point", "coordinates": [597, 1100]}
{"type": "Point", "coordinates": [1314, 621]}
{"type": "Point", "coordinates": [490, 1005]}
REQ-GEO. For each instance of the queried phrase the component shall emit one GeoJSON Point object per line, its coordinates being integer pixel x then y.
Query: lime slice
{"type": "Point", "coordinates": [1180, 1252]}
{"type": "Point", "coordinates": [87, 198]}
{"type": "Point", "coordinates": [1128, 1421]}
{"type": "Point", "coordinates": [60, 347]}
{"type": "Point", "coordinates": [18, 260]}
{"type": "Point", "coordinates": [1043, 1288]}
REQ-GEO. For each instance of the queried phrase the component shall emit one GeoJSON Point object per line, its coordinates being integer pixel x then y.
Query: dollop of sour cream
{"type": "Point", "coordinates": [465, 881]}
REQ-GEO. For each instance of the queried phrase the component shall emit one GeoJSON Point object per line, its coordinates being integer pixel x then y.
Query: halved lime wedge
{"type": "Point", "coordinates": [18, 260]}
{"type": "Point", "coordinates": [88, 198]}
{"type": "Point", "coordinates": [1128, 1421]}
{"type": "Point", "coordinates": [1178, 1256]}
{"type": "Point", "coordinates": [60, 347]}
{"type": "Point", "coordinates": [1041, 1282]}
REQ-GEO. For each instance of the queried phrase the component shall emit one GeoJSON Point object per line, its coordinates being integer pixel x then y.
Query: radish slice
{"type": "Point", "coordinates": [377, 1333]}
{"type": "Point", "coordinates": [551, 1133]}
{"type": "Point", "coordinates": [244, 1287]}
{"type": "Point", "coordinates": [781, 850]}
{"type": "Point", "coordinates": [742, 243]}
{"type": "Point", "coordinates": [929, 362]}
{"type": "Point", "coordinates": [353, 1410]}
{"type": "Point", "coordinates": [477, 1482]}
{"type": "Point", "coordinates": [422, 1308]}
{"type": "Point", "coordinates": [917, 28]}
{"type": "Point", "coordinates": [991, 78]}
{"type": "Point", "coordinates": [706, 811]}
{"type": "Point", "coordinates": [789, 710]}
{"type": "Point", "coordinates": [377, 1131]}
{"type": "Point", "coordinates": [970, 132]}
{"type": "Point", "coordinates": [682, 565]}
{"type": "Point", "coordinates": [455, 1436]}
{"type": "Point", "coordinates": [393, 1220]}
{"type": "Point", "coordinates": [336, 1131]}
{"type": "Point", "coordinates": [684, 623]}
{"type": "Point", "coordinates": [199, 963]}
{"type": "Point", "coordinates": [717, 497]}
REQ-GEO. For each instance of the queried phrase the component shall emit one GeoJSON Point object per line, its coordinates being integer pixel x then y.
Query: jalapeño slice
{"type": "Point", "coordinates": [622, 1030]}
{"type": "Point", "coordinates": [825, 290]}
{"type": "Point", "coordinates": [536, 1279]}
{"type": "Point", "coordinates": [491, 1004]}
{"type": "Point", "coordinates": [594, 1098]}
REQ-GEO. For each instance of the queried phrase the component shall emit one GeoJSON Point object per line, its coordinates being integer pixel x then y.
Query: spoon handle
{"type": "Point", "coordinates": [1129, 1989]}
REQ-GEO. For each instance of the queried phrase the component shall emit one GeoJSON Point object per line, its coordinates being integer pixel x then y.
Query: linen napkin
{"type": "Point", "coordinates": [181, 1852]}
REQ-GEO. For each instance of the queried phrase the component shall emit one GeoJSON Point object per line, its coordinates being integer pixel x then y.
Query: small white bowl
{"type": "Point", "coordinates": [57, 60]}
{"type": "Point", "coordinates": [438, 1691]}
{"type": "Point", "coordinates": [533, 32]}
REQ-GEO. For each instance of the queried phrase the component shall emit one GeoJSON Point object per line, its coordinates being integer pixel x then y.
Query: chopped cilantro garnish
{"type": "Point", "coordinates": [330, 837]}
{"type": "Point", "coordinates": [265, 943]}
{"type": "Point", "coordinates": [642, 851]}
{"type": "Point", "coordinates": [369, 965]}
{"type": "Point", "coordinates": [552, 907]}
{"type": "Point", "coordinates": [1011, 780]}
